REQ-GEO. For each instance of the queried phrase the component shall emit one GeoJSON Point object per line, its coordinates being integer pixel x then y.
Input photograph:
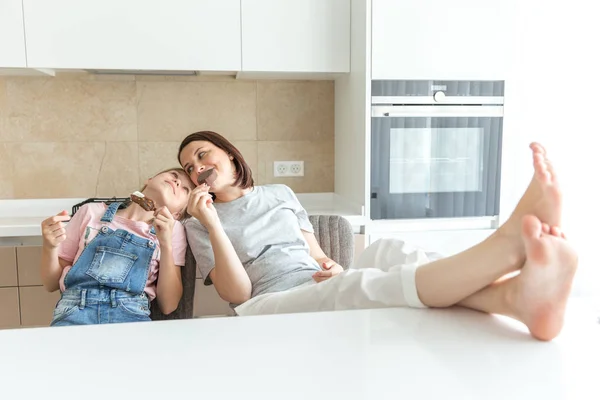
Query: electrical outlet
{"type": "Point", "coordinates": [288, 168]}
{"type": "Point", "coordinates": [281, 169]}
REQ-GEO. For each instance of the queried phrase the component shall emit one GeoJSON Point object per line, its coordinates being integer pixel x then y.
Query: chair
{"type": "Point", "coordinates": [185, 309]}
{"type": "Point", "coordinates": [334, 234]}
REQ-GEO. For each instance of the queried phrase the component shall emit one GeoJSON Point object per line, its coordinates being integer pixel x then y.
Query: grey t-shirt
{"type": "Point", "coordinates": [264, 227]}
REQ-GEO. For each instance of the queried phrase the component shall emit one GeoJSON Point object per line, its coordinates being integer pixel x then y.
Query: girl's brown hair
{"type": "Point", "coordinates": [243, 172]}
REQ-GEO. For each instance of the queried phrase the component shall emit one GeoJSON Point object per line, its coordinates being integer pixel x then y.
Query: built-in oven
{"type": "Point", "coordinates": [436, 149]}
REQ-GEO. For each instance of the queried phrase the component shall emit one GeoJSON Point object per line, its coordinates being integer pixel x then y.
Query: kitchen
{"type": "Point", "coordinates": [113, 92]}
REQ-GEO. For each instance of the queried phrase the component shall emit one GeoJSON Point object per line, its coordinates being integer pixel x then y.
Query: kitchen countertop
{"type": "Point", "coordinates": [366, 354]}
{"type": "Point", "coordinates": [22, 218]}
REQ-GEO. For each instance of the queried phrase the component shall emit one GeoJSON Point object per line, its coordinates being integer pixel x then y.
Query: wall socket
{"type": "Point", "coordinates": [288, 168]}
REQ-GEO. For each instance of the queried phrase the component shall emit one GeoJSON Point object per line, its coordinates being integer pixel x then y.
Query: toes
{"type": "Point", "coordinates": [531, 232]}
{"type": "Point", "coordinates": [545, 228]}
{"type": "Point", "coordinates": [537, 148]}
{"type": "Point", "coordinates": [556, 231]}
{"type": "Point", "coordinates": [551, 170]}
{"type": "Point", "coordinates": [541, 169]}
{"type": "Point", "coordinates": [531, 227]}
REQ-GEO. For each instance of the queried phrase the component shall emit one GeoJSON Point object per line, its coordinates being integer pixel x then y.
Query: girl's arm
{"type": "Point", "coordinates": [51, 266]}
{"type": "Point", "coordinates": [169, 288]}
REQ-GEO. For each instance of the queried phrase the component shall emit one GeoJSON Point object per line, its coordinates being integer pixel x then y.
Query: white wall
{"type": "Point", "coordinates": [553, 98]}
{"type": "Point", "coordinates": [352, 108]}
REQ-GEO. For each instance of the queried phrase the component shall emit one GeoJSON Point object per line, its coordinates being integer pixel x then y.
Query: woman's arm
{"type": "Point", "coordinates": [330, 267]}
{"type": "Point", "coordinates": [228, 275]}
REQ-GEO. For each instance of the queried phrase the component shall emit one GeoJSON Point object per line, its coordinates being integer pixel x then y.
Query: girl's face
{"type": "Point", "coordinates": [171, 189]}
{"type": "Point", "coordinates": [199, 156]}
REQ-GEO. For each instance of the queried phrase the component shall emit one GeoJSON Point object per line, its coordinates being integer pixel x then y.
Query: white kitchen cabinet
{"type": "Point", "coordinates": [296, 36]}
{"type": "Point", "coordinates": [440, 39]}
{"type": "Point", "coordinates": [134, 34]}
{"type": "Point", "coordinates": [12, 41]}
{"type": "Point", "coordinates": [446, 243]}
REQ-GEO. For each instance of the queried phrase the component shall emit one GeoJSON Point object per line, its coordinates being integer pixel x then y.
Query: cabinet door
{"type": "Point", "coordinates": [134, 34]}
{"type": "Point", "coordinates": [37, 305]}
{"type": "Point", "coordinates": [9, 309]}
{"type": "Point", "coordinates": [30, 258]}
{"type": "Point", "coordinates": [446, 243]}
{"type": "Point", "coordinates": [440, 39]}
{"type": "Point", "coordinates": [8, 267]}
{"type": "Point", "coordinates": [296, 36]}
{"type": "Point", "coordinates": [12, 41]}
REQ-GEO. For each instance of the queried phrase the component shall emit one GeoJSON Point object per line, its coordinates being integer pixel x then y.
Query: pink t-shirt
{"type": "Point", "coordinates": [85, 224]}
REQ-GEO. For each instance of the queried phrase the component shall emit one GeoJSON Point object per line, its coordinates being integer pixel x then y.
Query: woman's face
{"type": "Point", "coordinates": [199, 156]}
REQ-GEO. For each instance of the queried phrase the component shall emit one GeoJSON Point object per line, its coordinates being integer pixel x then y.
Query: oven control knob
{"type": "Point", "coordinates": [439, 96]}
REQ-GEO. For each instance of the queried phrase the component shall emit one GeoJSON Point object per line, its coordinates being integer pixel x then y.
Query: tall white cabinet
{"type": "Point", "coordinates": [134, 34]}
{"type": "Point", "coordinates": [440, 39]}
{"type": "Point", "coordinates": [296, 36]}
{"type": "Point", "coordinates": [12, 40]}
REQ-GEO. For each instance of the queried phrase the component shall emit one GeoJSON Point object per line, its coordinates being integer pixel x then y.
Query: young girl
{"type": "Point", "coordinates": [106, 261]}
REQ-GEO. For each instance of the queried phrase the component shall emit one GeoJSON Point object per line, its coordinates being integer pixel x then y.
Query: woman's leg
{"type": "Point", "coordinates": [447, 281]}
{"type": "Point", "coordinates": [537, 296]}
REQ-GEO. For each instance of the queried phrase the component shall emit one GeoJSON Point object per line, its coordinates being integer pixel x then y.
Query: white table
{"type": "Point", "coordinates": [379, 354]}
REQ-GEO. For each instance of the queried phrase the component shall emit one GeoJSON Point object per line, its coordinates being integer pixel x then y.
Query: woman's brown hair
{"type": "Point", "coordinates": [243, 172]}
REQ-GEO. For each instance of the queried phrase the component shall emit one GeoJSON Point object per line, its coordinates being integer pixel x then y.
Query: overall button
{"type": "Point", "coordinates": [151, 244]}
{"type": "Point", "coordinates": [104, 229]}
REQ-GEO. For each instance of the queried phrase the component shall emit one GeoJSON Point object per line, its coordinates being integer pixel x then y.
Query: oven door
{"type": "Point", "coordinates": [435, 161]}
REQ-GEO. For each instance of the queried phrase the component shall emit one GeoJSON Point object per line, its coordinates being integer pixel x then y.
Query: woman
{"type": "Point", "coordinates": [256, 245]}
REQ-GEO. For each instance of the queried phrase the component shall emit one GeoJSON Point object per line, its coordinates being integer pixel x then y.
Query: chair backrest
{"type": "Point", "coordinates": [185, 309]}
{"type": "Point", "coordinates": [334, 234]}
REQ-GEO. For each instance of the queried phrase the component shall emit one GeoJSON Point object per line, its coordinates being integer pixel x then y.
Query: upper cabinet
{"type": "Point", "coordinates": [12, 41]}
{"type": "Point", "coordinates": [441, 39]}
{"type": "Point", "coordinates": [296, 36]}
{"type": "Point", "coordinates": [133, 34]}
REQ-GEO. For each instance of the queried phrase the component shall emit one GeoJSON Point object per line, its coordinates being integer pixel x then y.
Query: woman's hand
{"type": "Point", "coordinates": [330, 269]}
{"type": "Point", "coordinates": [53, 230]}
{"type": "Point", "coordinates": [164, 222]}
{"type": "Point", "coordinates": [201, 207]}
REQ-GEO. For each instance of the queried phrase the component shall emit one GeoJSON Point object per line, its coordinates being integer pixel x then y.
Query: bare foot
{"type": "Point", "coordinates": [540, 292]}
{"type": "Point", "coordinates": [542, 198]}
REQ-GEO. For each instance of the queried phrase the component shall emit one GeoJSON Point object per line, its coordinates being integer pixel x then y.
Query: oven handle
{"type": "Point", "coordinates": [437, 111]}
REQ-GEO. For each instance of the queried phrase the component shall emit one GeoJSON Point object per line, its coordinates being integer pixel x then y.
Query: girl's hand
{"type": "Point", "coordinates": [53, 230]}
{"type": "Point", "coordinates": [164, 222]}
{"type": "Point", "coordinates": [201, 207]}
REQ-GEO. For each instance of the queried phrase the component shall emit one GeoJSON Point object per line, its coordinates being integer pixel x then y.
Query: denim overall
{"type": "Point", "coordinates": [106, 283]}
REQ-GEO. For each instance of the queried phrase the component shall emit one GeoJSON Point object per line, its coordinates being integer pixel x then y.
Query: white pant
{"type": "Point", "coordinates": [383, 276]}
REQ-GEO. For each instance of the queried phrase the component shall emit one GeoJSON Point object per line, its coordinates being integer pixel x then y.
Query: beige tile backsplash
{"type": "Point", "coordinates": [291, 111]}
{"type": "Point", "coordinates": [85, 136]}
